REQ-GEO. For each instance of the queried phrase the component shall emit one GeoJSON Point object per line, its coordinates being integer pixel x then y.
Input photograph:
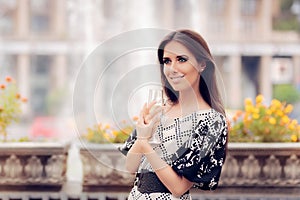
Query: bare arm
{"type": "Point", "coordinates": [144, 131]}
{"type": "Point", "coordinates": [133, 159]}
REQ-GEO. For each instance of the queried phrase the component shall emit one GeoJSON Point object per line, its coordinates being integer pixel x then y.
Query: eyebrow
{"type": "Point", "coordinates": [179, 56]}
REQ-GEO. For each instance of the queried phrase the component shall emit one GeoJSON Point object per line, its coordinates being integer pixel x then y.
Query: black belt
{"type": "Point", "coordinates": [148, 182]}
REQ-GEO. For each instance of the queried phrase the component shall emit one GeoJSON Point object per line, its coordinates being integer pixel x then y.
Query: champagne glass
{"type": "Point", "coordinates": [157, 96]}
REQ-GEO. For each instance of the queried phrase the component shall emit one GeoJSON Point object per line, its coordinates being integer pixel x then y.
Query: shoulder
{"type": "Point", "coordinates": [213, 120]}
{"type": "Point", "coordinates": [210, 114]}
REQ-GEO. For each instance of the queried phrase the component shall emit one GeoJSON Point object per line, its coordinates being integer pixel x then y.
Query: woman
{"type": "Point", "coordinates": [194, 134]}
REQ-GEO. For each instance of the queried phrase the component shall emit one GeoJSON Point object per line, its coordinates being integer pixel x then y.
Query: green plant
{"type": "Point", "coordinates": [10, 105]}
{"type": "Point", "coordinates": [286, 20]}
{"type": "Point", "coordinates": [286, 92]}
{"type": "Point", "coordinates": [262, 123]}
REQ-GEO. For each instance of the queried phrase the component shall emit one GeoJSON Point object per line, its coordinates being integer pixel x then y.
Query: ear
{"type": "Point", "coordinates": [202, 66]}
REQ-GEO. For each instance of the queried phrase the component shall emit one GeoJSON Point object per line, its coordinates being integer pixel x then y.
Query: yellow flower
{"type": "Point", "coordinates": [249, 108]}
{"type": "Point", "coordinates": [255, 110]}
{"type": "Point", "coordinates": [265, 123]}
{"type": "Point", "coordinates": [285, 119]}
{"type": "Point", "coordinates": [294, 138]}
{"type": "Point", "coordinates": [279, 113]}
{"type": "Point", "coordinates": [106, 136]}
{"type": "Point", "coordinates": [275, 103]}
{"type": "Point", "coordinates": [248, 101]}
{"type": "Point", "coordinates": [288, 109]}
{"type": "Point", "coordinates": [294, 122]}
{"type": "Point", "coordinates": [255, 116]}
{"type": "Point", "coordinates": [89, 135]}
{"type": "Point", "coordinates": [107, 126]}
{"type": "Point", "coordinates": [269, 112]}
{"type": "Point", "coordinates": [115, 133]}
{"type": "Point", "coordinates": [259, 99]}
{"type": "Point", "coordinates": [272, 120]}
{"type": "Point", "coordinates": [246, 118]}
{"type": "Point", "coordinates": [291, 127]}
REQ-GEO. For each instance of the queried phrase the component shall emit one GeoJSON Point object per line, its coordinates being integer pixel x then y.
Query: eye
{"type": "Point", "coordinates": [182, 59]}
{"type": "Point", "coordinates": [166, 61]}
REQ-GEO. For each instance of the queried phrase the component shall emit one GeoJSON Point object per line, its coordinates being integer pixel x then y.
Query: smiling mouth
{"type": "Point", "coordinates": [176, 77]}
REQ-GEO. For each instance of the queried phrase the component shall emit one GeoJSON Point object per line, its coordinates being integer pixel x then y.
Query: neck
{"type": "Point", "coordinates": [191, 100]}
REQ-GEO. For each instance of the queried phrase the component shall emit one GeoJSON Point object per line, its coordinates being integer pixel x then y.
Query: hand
{"type": "Point", "coordinates": [148, 120]}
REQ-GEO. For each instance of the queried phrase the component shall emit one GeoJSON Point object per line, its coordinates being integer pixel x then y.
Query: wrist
{"type": "Point", "coordinates": [146, 147]}
{"type": "Point", "coordinates": [142, 138]}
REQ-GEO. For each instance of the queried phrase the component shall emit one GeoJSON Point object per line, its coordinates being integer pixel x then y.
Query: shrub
{"type": "Point", "coordinates": [262, 123]}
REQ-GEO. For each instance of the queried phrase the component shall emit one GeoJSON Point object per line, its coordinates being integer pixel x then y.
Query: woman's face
{"type": "Point", "coordinates": [180, 67]}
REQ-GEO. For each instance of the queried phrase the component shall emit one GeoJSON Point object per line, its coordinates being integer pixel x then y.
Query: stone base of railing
{"type": "Point", "coordinates": [103, 167]}
{"type": "Point", "coordinates": [31, 166]}
{"type": "Point", "coordinates": [262, 165]}
{"type": "Point", "coordinates": [249, 168]}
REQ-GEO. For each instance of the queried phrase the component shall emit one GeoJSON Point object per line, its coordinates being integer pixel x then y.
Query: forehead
{"type": "Point", "coordinates": [176, 48]}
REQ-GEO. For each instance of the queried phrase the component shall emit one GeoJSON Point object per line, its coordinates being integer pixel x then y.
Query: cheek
{"type": "Point", "coordinates": [192, 75]}
{"type": "Point", "coordinates": [165, 71]}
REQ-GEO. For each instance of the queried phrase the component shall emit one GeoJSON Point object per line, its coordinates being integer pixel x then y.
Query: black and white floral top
{"type": "Point", "coordinates": [193, 145]}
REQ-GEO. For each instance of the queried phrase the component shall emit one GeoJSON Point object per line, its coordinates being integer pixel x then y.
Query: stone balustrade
{"type": "Point", "coordinates": [262, 165]}
{"type": "Point", "coordinates": [32, 165]}
{"type": "Point", "coordinates": [251, 171]}
{"type": "Point", "coordinates": [259, 166]}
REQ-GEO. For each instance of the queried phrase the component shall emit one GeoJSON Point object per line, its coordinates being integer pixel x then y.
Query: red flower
{"type": "Point", "coordinates": [24, 100]}
{"type": "Point", "coordinates": [2, 86]}
{"type": "Point", "coordinates": [8, 79]}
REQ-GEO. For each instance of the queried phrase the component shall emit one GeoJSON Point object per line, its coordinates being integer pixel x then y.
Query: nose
{"type": "Point", "coordinates": [173, 67]}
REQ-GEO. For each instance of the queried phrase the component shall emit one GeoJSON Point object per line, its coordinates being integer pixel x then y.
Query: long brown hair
{"type": "Point", "coordinates": [198, 47]}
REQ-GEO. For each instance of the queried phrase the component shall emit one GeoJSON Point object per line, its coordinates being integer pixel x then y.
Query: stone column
{"type": "Point", "coordinates": [234, 90]}
{"type": "Point", "coordinates": [59, 19]}
{"type": "Point", "coordinates": [23, 18]}
{"type": "Point", "coordinates": [265, 82]}
{"type": "Point", "coordinates": [296, 70]}
{"type": "Point", "coordinates": [233, 17]}
{"type": "Point", "coordinates": [23, 67]}
{"type": "Point", "coordinates": [60, 71]}
{"type": "Point", "coordinates": [199, 16]}
{"type": "Point", "coordinates": [265, 18]}
{"type": "Point", "coordinates": [167, 13]}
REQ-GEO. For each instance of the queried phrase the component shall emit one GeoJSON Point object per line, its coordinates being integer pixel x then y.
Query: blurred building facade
{"type": "Point", "coordinates": [43, 42]}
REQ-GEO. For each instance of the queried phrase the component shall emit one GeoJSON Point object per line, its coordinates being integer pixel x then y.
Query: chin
{"type": "Point", "coordinates": [178, 88]}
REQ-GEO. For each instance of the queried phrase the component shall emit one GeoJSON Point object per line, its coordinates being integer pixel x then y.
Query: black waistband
{"type": "Point", "coordinates": [149, 183]}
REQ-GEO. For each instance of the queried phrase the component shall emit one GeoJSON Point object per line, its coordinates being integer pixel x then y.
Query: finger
{"type": "Point", "coordinates": [141, 118]}
{"type": "Point", "coordinates": [142, 114]}
{"type": "Point", "coordinates": [150, 105]}
{"type": "Point", "coordinates": [155, 121]}
{"type": "Point", "coordinates": [155, 111]}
